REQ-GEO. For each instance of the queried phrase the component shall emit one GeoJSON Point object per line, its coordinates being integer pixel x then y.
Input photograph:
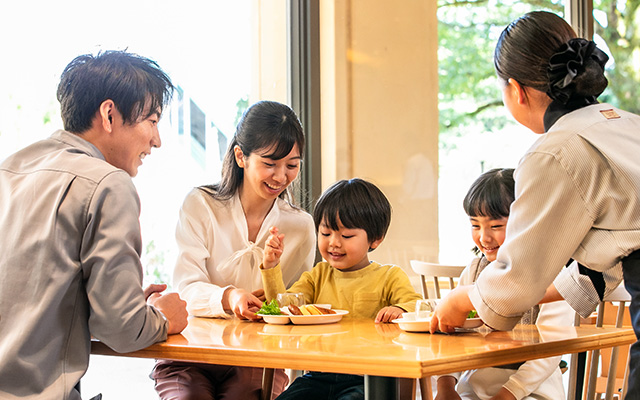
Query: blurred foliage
{"type": "Point", "coordinates": [242, 105]}
{"type": "Point", "coordinates": [617, 23]}
{"type": "Point", "coordinates": [153, 261]}
{"type": "Point", "coordinates": [470, 98]}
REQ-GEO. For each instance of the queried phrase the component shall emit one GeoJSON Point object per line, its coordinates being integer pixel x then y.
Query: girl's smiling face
{"type": "Point", "coordinates": [488, 234]}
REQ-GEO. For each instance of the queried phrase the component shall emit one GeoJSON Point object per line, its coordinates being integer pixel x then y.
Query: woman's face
{"type": "Point", "coordinates": [266, 178]}
{"type": "Point", "coordinates": [488, 234]}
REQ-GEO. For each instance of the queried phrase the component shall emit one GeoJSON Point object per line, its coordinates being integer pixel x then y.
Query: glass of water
{"type": "Point", "coordinates": [425, 308]}
{"type": "Point", "coordinates": [285, 299]}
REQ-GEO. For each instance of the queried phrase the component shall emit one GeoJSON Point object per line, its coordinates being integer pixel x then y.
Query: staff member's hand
{"type": "Point", "coordinates": [452, 310]}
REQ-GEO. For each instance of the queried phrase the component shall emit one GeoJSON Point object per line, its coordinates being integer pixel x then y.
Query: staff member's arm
{"type": "Point", "coordinates": [548, 221]}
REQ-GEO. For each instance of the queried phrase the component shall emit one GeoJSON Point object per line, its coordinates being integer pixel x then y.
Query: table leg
{"type": "Point", "coordinates": [381, 388]}
{"type": "Point", "coordinates": [267, 383]}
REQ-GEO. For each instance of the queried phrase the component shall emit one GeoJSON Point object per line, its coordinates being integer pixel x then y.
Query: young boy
{"type": "Point", "coordinates": [352, 218]}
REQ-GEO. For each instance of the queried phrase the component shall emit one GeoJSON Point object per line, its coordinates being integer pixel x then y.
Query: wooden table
{"type": "Point", "coordinates": [381, 352]}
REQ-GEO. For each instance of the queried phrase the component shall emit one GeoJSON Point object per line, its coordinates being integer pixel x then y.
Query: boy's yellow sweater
{"type": "Point", "coordinates": [363, 293]}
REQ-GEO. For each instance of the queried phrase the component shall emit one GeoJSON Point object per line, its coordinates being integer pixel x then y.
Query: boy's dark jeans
{"type": "Point", "coordinates": [325, 386]}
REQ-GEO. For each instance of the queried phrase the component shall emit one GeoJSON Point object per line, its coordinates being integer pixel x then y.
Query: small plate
{"type": "Point", "coordinates": [423, 325]}
{"type": "Point", "coordinates": [304, 319]}
{"type": "Point", "coordinates": [275, 319]}
{"type": "Point", "coordinates": [318, 319]}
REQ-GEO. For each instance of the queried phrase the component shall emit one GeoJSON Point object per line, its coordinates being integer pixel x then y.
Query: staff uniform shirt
{"type": "Point", "coordinates": [363, 292]}
{"type": "Point", "coordinates": [69, 267]}
{"type": "Point", "coordinates": [215, 252]}
{"type": "Point", "coordinates": [539, 379]}
{"type": "Point", "coordinates": [577, 197]}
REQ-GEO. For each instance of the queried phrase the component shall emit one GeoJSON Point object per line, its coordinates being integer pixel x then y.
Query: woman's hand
{"type": "Point", "coordinates": [388, 314]}
{"type": "Point", "coordinates": [273, 249]}
{"type": "Point", "coordinates": [259, 293]}
{"type": "Point", "coordinates": [242, 303]}
{"type": "Point", "coordinates": [452, 310]}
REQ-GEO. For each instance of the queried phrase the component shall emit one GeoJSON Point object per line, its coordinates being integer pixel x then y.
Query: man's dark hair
{"type": "Point", "coordinates": [136, 85]}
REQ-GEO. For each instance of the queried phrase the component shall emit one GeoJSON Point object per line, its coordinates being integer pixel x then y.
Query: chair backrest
{"type": "Point", "coordinates": [610, 381]}
{"type": "Point", "coordinates": [435, 271]}
{"type": "Point", "coordinates": [622, 297]}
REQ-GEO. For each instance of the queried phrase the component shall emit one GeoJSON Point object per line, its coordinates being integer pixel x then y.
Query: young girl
{"type": "Point", "coordinates": [487, 204]}
{"type": "Point", "coordinates": [352, 218]}
{"type": "Point", "coordinates": [221, 235]}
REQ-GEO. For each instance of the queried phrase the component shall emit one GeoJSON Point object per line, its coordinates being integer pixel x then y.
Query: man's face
{"type": "Point", "coordinates": [132, 143]}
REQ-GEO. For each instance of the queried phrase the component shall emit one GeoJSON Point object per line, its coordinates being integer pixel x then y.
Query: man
{"type": "Point", "coordinates": [70, 244]}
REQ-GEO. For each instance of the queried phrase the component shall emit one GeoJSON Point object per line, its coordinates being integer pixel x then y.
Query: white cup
{"type": "Point", "coordinates": [285, 299]}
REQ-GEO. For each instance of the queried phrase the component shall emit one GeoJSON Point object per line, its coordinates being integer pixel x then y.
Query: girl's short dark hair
{"type": "Point", "coordinates": [491, 194]}
{"type": "Point", "coordinates": [357, 204]}
{"type": "Point", "coordinates": [137, 86]}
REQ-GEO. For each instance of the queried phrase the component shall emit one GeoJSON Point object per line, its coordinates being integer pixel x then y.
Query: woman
{"type": "Point", "coordinates": [221, 234]}
{"type": "Point", "coordinates": [577, 187]}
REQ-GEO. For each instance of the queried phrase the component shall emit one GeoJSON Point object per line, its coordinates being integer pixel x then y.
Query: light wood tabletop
{"type": "Point", "coordinates": [357, 346]}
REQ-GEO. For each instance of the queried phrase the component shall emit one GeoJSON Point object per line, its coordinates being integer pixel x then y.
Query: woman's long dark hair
{"type": "Point", "coordinates": [265, 125]}
{"type": "Point", "coordinates": [526, 46]}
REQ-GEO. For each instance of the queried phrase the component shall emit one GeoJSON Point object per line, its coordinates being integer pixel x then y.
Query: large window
{"type": "Point", "coordinates": [476, 132]}
{"type": "Point", "coordinates": [210, 51]}
{"type": "Point", "coordinates": [206, 49]}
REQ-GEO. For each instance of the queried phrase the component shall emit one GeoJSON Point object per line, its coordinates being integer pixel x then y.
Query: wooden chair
{"type": "Point", "coordinates": [433, 272]}
{"type": "Point", "coordinates": [613, 379]}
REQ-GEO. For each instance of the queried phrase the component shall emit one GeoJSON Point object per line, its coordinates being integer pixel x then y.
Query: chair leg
{"type": "Point", "coordinates": [426, 391]}
{"type": "Point", "coordinates": [407, 389]}
{"type": "Point", "coordinates": [267, 383]}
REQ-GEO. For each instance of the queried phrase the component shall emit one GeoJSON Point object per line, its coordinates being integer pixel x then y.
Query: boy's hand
{"type": "Point", "coordinates": [388, 314]}
{"type": "Point", "coordinates": [273, 248]}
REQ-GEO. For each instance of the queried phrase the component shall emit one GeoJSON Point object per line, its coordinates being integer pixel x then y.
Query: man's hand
{"type": "Point", "coordinates": [452, 310]}
{"type": "Point", "coordinates": [242, 303]}
{"type": "Point", "coordinates": [273, 248]}
{"type": "Point", "coordinates": [172, 307]}
{"type": "Point", "coordinates": [154, 288]}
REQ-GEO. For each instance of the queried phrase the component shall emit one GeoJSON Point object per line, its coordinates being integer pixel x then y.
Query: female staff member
{"type": "Point", "coordinates": [577, 187]}
{"type": "Point", "coordinates": [221, 234]}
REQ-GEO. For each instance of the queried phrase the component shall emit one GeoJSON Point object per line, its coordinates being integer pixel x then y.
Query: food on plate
{"type": "Point", "coordinates": [472, 314]}
{"type": "Point", "coordinates": [270, 308]}
{"type": "Point", "coordinates": [294, 310]}
{"type": "Point", "coordinates": [309, 309]}
{"type": "Point", "coordinates": [325, 310]}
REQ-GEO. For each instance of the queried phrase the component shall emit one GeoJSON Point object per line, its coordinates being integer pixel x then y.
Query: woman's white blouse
{"type": "Point", "coordinates": [215, 252]}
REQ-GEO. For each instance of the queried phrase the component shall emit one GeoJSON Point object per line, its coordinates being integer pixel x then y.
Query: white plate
{"type": "Point", "coordinates": [275, 319]}
{"type": "Point", "coordinates": [425, 324]}
{"type": "Point", "coordinates": [318, 319]}
{"type": "Point", "coordinates": [304, 319]}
